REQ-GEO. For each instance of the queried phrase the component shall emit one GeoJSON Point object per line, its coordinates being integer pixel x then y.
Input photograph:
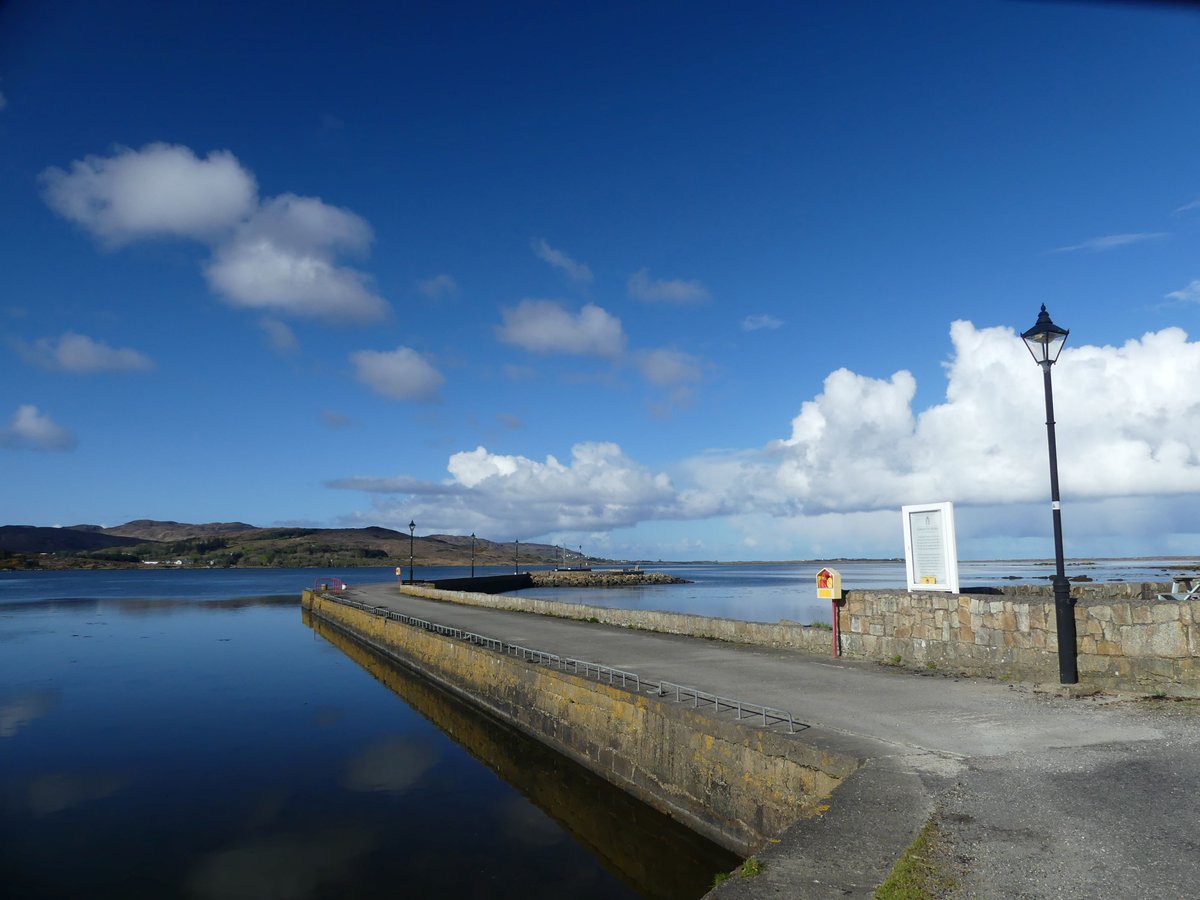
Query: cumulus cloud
{"type": "Point", "coordinates": [438, 286]}
{"type": "Point", "coordinates": [31, 430]}
{"type": "Point", "coordinates": [599, 488]}
{"type": "Point", "coordinates": [759, 322]}
{"type": "Point", "coordinates": [544, 326]}
{"type": "Point", "coordinates": [1189, 294]}
{"type": "Point", "coordinates": [663, 367]}
{"type": "Point", "coordinates": [280, 334]}
{"type": "Point", "coordinates": [283, 259]}
{"type": "Point", "coordinates": [279, 256]}
{"type": "Point", "coordinates": [161, 190]}
{"type": "Point", "coordinates": [401, 374]}
{"type": "Point", "coordinates": [665, 290]}
{"type": "Point", "coordinates": [1127, 424]}
{"type": "Point", "coordinates": [1111, 242]}
{"type": "Point", "coordinates": [79, 353]}
{"type": "Point", "coordinates": [575, 271]}
{"type": "Point", "coordinates": [331, 418]}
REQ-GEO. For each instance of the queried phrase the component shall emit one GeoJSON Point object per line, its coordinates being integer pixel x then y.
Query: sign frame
{"type": "Point", "coordinates": [931, 556]}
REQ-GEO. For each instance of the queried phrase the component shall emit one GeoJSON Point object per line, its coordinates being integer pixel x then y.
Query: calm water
{"type": "Point", "coordinates": [185, 733]}
{"type": "Point", "coordinates": [768, 593]}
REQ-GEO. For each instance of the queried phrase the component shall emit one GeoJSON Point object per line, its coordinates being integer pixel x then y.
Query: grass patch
{"type": "Point", "coordinates": [821, 626]}
{"type": "Point", "coordinates": [920, 873]}
{"type": "Point", "coordinates": [748, 869]}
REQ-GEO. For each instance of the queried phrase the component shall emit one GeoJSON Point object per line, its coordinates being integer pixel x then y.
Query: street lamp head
{"type": "Point", "coordinates": [412, 526]}
{"type": "Point", "coordinates": [1045, 339]}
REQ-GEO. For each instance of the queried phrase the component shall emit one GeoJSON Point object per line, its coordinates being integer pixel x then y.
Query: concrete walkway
{"type": "Point", "coordinates": [1036, 795]}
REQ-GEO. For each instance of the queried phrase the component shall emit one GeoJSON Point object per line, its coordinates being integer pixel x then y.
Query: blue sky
{"type": "Point", "coordinates": [664, 280]}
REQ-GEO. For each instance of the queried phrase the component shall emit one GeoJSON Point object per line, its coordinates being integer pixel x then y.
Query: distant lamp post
{"type": "Point", "coordinates": [412, 527]}
{"type": "Point", "coordinates": [1045, 341]}
{"type": "Point", "coordinates": [516, 557]}
{"type": "Point", "coordinates": [472, 554]}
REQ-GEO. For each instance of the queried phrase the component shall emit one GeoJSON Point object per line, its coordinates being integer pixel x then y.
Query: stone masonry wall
{"type": "Point", "coordinates": [1128, 639]}
{"type": "Point", "coordinates": [736, 784]}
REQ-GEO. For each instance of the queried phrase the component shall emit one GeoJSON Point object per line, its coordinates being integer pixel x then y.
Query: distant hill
{"type": "Point", "coordinates": [239, 544]}
{"type": "Point", "coordinates": [38, 539]}
{"type": "Point", "coordinates": [150, 530]}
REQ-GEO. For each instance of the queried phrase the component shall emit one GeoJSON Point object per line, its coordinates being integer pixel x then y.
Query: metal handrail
{"type": "Point", "coordinates": [768, 714]}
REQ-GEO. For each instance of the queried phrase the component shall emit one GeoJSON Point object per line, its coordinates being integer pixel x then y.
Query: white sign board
{"type": "Point", "coordinates": [930, 549]}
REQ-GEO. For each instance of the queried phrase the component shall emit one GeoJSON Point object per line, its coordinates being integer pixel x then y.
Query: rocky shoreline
{"type": "Point", "coordinates": [602, 578]}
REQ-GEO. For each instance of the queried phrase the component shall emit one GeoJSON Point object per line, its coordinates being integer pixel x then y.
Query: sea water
{"type": "Point", "coordinates": [186, 734]}
{"type": "Point", "coordinates": [182, 732]}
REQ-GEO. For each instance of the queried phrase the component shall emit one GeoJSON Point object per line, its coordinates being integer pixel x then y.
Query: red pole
{"type": "Point", "coordinates": [837, 632]}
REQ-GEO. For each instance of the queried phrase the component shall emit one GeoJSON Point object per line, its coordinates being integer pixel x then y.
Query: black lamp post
{"type": "Point", "coordinates": [412, 527]}
{"type": "Point", "coordinates": [1045, 341]}
{"type": "Point", "coordinates": [472, 554]}
{"type": "Point", "coordinates": [516, 557]}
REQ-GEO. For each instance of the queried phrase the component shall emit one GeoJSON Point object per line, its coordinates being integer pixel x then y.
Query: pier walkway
{"type": "Point", "coordinates": [1036, 795]}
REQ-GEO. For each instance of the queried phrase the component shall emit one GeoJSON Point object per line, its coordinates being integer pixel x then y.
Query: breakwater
{"type": "Point", "coordinates": [648, 851]}
{"type": "Point", "coordinates": [1129, 640]}
{"type": "Point", "coordinates": [732, 782]}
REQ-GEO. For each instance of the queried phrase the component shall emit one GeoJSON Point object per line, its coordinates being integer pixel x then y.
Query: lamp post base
{"type": "Point", "coordinates": [1064, 612]}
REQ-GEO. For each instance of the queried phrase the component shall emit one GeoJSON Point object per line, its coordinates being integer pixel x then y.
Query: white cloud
{"type": "Point", "coordinates": [31, 430]}
{"type": "Point", "coordinates": [663, 367]}
{"type": "Point", "coordinates": [280, 334]}
{"type": "Point", "coordinates": [1127, 424]}
{"type": "Point", "coordinates": [489, 492]}
{"type": "Point", "coordinates": [438, 286]}
{"type": "Point", "coordinates": [283, 259]}
{"type": "Point", "coordinates": [1189, 294]}
{"type": "Point", "coordinates": [758, 322]}
{"type": "Point", "coordinates": [1111, 242]}
{"type": "Point", "coordinates": [1127, 420]}
{"type": "Point", "coordinates": [1188, 207]}
{"type": "Point", "coordinates": [575, 271]}
{"type": "Point", "coordinates": [401, 374]}
{"type": "Point", "coordinates": [79, 353]}
{"type": "Point", "coordinates": [663, 290]}
{"type": "Point", "coordinates": [160, 190]}
{"type": "Point", "coordinates": [279, 256]}
{"type": "Point", "coordinates": [544, 326]}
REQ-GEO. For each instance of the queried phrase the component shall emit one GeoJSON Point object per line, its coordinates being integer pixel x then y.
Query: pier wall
{"type": "Point", "coordinates": [1129, 640]}
{"type": "Point", "coordinates": [731, 782]}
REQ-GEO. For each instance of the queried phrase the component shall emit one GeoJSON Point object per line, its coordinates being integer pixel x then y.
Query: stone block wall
{"type": "Point", "coordinates": [1128, 639]}
{"type": "Point", "coordinates": [734, 783]}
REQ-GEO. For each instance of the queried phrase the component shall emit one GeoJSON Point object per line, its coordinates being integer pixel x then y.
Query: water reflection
{"type": "Point", "coordinates": [18, 712]}
{"type": "Point", "coordinates": [293, 865]}
{"type": "Point", "coordinates": [391, 765]}
{"type": "Point", "coordinates": [49, 794]}
{"type": "Point", "coordinates": [647, 850]}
